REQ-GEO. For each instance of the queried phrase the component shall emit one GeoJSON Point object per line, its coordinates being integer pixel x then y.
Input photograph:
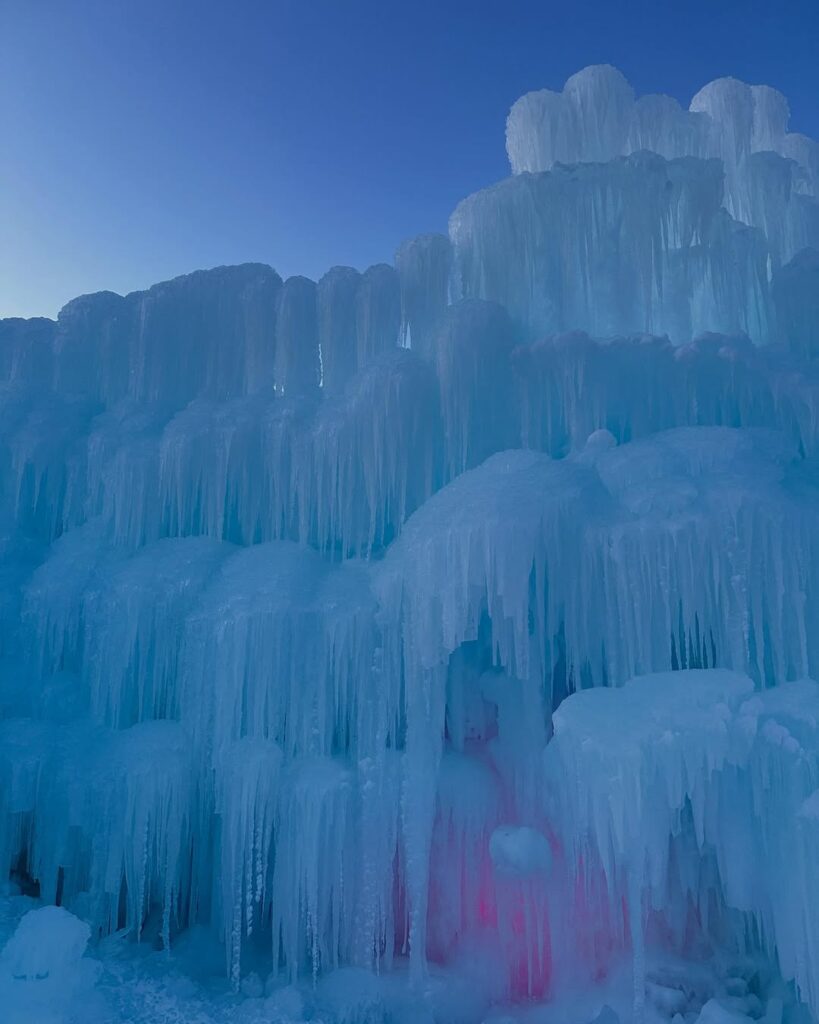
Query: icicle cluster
{"type": "Point", "coordinates": [771, 175]}
{"type": "Point", "coordinates": [689, 789]}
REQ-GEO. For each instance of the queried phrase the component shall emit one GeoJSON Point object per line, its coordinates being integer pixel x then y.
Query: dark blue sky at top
{"type": "Point", "coordinates": [140, 139]}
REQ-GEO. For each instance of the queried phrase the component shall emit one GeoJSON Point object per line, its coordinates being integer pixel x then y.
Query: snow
{"type": "Point", "coordinates": [43, 973]}
{"type": "Point", "coordinates": [433, 643]}
{"type": "Point", "coordinates": [46, 942]}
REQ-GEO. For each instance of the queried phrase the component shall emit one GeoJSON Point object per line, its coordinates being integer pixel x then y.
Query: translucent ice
{"type": "Point", "coordinates": [696, 761]}
{"type": "Point", "coordinates": [596, 119]}
{"type": "Point", "coordinates": [762, 175]}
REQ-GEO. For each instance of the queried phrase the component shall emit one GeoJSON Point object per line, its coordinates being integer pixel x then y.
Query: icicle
{"type": "Point", "coordinates": [311, 905]}
{"type": "Point", "coordinates": [796, 294]}
{"type": "Point", "coordinates": [696, 757]}
{"type": "Point", "coordinates": [378, 312]}
{"type": "Point", "coordinates": [247, 778]}
{"type": "Point", "coordinates": [297, 340]}
{"type": "Point", "coordinates": [423, 264]}
{"type": "Point", "coordinates": [209, 333]}
{"type": "Point", "coordinates": [473, 345]}
{"type": "Point", "coordinates": [337, 297]}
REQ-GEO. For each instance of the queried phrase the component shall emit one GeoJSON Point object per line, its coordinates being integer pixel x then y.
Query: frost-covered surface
{"type": "Point", "coordinates": [433, 643]}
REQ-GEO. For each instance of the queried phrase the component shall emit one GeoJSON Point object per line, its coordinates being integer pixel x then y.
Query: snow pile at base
{"type": "Point", "coordinates": [44, 977]}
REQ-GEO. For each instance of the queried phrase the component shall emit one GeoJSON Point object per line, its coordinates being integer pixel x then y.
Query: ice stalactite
{"type": "Point", "coordinates": [280, 646]}
{"type": "Point", "coordinates": [588, 122]}
{"type": "Point", "coordinates": [469, 808]}
{"type": "Point", "coordinates": [796, 291]}
{"type": "Point", "coordinates": [633, 526]}
{"type": "Point", "coordinates": [336, 296]}
{"type": "Point", "coordinates": [472, 354]}
{"type": "Point", "coordinates": [102, 817]}
{"type": "Point", "coordinates": [98, 328]}
{"type": "Point", "coordinates": [27, 351]}
{"type": "Point", "coordinates": [170, 343]}
{"type": "Point", "coordinates": [246, 790]}
{"type": "Point", "coordinates": [298, 370]}
{"type": "Point", "coordinates": [181, 331]}
{"type": "Point", "coordinates": [696, 754]}
{"type": "Point", "coordinates": [378, 312]}
{"type": "Point", "coordinates": [133, 619]}
{"type": "Point", "coordinates": [569, 386]}
{"type": "Point", "coordinates": [309, 890]}
{"type": "Point", "coordinates": [424, 264]}
{"type": "Point", "coordinates": [636, 245]}
{"type": "Point", "coordinates": [373, 924]}
{"type": "Point", "coordinates": [375, 456]}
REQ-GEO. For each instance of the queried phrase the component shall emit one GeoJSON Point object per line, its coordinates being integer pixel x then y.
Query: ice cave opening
{"type": "Point", "coordinates": [433, 643]}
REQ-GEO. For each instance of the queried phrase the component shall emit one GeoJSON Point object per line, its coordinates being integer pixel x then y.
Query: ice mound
{"type": "Point", "coordinates": [44, 976]}
{"type": "Point", "coordinates": [48, 943]}
{"type": "Point", "coordinates": [519, 851]}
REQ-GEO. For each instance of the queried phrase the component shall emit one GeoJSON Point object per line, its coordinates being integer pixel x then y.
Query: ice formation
{"type": "Point", "coordinates": [44, 977]}
{"type": "Point", "coordinates": [445, 628]}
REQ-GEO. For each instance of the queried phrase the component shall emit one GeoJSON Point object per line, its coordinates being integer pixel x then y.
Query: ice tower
{"type": "Point", "coordinates": [458, 612]}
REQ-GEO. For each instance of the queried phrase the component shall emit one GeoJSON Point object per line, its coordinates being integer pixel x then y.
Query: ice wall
{"type": "Point", "coordinates": [639, 244]}
{"type": "Point", "coordinates": [313, 591]}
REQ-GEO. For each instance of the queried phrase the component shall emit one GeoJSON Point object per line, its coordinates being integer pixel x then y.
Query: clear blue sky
{"type": "Point", "coordinates": [140, 139]}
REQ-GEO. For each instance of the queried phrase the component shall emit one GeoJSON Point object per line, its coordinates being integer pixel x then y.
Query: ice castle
{"type": "Point", "coordinates": [462, 609]}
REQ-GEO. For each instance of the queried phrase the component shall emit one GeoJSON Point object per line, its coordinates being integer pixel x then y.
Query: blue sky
{"type": "Point", "coordinates": [140, 139]}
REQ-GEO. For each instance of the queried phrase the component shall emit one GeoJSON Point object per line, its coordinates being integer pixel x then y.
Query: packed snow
{"type": "Point", "coordinates": [433, 644]}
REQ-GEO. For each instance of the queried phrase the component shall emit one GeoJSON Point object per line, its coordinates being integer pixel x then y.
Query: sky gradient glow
{"type": "Point", "coordinates": [144, 139]}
